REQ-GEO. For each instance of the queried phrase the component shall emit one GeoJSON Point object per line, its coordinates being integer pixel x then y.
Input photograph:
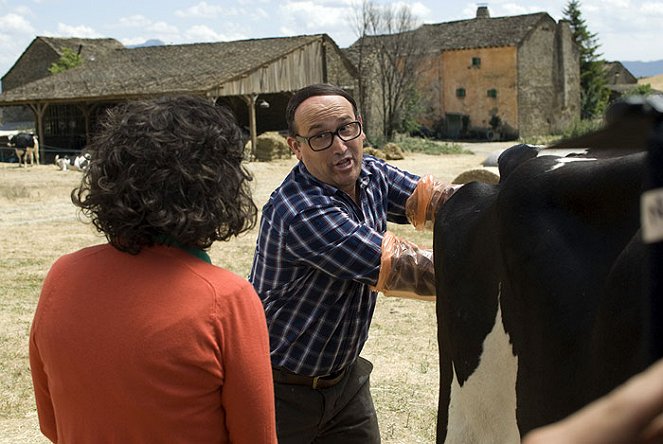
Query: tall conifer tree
{"type": "Point", "coordinates": [594, 93]}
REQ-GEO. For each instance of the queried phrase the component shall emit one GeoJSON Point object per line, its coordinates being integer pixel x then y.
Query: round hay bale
{"type": "Point", "coordinates": [271, 145]}
{"type": "Point", "coordinates": [375, 152]}
{"type": "Point", "coordinates": [393, 151]}
{"type": "Point", "coordinates": [477, 175]}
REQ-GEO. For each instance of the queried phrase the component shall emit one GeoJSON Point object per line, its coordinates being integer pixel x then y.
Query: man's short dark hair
{"type": "Point", "coordinates": [167, 170]}
{"type": "Point", "coordinates": [318, 89]}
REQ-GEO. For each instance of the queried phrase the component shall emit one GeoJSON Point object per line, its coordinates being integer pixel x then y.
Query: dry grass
{"type": "Point", "coordinates": [38, 224]}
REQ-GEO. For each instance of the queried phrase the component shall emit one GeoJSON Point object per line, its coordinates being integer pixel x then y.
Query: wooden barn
{"type": "Point", "coordinates": [255, 78]}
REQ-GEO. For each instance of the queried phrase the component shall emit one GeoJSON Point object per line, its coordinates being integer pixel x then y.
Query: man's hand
{"type": "Point", "coordinates": [632, 413]}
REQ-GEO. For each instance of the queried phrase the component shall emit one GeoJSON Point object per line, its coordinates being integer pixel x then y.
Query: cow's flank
{"type": "Point", "coordinates": [540, 301]}
{"type": "Point", "coordinates": [26, 147]}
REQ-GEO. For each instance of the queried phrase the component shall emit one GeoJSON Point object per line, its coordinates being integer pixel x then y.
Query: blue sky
{"type": "Point", "coordinates": [627, 30]}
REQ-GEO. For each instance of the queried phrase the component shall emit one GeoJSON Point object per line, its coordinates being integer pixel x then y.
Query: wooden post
{"type": "Point", "coordinates": [251, 103]}
{"type": "Point", "coordinates": [39, 110]}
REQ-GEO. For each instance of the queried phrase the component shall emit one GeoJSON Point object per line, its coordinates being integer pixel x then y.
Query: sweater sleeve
{"type": "Point", "coordinates": [248, 388]}
{"type": "Point", "coordinates": [45, 409]}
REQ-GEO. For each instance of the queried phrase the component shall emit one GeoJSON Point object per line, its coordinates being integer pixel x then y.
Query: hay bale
{"type": "Point", "coordinates": [375, 152]}
{"type": "Point", "coordinates": [393, 151]}
{"type": "Point", "coordinates": [271, 145]}
{"type": "Point", "coordinates": [477, 175]}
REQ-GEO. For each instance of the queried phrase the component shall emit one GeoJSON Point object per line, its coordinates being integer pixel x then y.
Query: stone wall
{"type": "Point", "coordinates": [548, 80]}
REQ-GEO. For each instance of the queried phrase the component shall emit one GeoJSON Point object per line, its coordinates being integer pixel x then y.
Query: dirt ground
{"type": "Point", "coordinates": [38, 224]}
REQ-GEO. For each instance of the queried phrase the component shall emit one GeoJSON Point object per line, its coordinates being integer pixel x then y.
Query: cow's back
{"type": "Point", "coordinates": [556, 243]}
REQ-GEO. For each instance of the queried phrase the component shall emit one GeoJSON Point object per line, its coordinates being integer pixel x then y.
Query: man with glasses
{"type": "Point", "coordinates": [322, 255]}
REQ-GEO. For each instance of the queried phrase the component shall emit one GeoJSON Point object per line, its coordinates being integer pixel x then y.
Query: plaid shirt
{"type": "Point", "coordinates": [316, 255]}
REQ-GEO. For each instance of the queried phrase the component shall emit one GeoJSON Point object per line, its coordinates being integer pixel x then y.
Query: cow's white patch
{"type": "Point", "coordinates": [559, 163]}
{"type": "Point", "coordinates": [484, 409]}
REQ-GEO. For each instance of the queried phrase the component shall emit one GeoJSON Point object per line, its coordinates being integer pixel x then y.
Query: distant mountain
{"type": "Point", "coordinates": [155, 42]}
{"type": "Point", "coordinates": [644, 69]}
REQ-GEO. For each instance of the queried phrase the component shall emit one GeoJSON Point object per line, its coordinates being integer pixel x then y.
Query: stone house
{"type": "Point", "coordinates": [496, 78]}
{"type": "Point", "coordinates": [619, 79]}
{"type": "Point", "coordinates": [255, 78]}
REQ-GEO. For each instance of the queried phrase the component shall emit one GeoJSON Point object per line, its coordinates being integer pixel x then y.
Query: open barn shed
{"type": "Point", "coordinates": [255, 78]}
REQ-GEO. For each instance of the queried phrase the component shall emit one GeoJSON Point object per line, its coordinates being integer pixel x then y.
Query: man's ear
{"type": "Point", "coordinates": [363, 133]}
{"type": "Point", "coordinates": [294, 147]}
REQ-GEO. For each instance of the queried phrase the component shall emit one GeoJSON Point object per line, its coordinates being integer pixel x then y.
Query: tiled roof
{"type": "Point", "coordinates": [163, 69]}
{"type": "Point", "coordinates": [475, 33]}
{"type": "Point", "coordinates": [482, 32]}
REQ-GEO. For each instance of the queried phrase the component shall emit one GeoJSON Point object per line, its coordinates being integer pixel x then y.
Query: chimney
{"type": "Point", "coordinates": [482, 11]}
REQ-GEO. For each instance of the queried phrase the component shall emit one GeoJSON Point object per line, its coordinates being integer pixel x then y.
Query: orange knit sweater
{"type": "Point", "coordinates": [156, 347]}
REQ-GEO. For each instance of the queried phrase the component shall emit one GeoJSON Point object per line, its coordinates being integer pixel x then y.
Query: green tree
{"type": "Point", "coordinates": [69, 59]}
{"type": "Point", "coordinates": [643, 89]}
{"type": "Point", "coordinates": [593, 90]}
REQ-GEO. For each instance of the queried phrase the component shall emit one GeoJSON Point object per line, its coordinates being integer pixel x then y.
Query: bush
{"type": "Point", "coordinates": [427, 146]}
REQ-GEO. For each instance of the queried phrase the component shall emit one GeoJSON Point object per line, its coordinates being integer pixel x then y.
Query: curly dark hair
{"type": "Point", "coordinates": [167, 170]}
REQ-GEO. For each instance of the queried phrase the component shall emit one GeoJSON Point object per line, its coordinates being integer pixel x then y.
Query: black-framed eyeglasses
{"type": "Point", "coordinates": [322, 141]}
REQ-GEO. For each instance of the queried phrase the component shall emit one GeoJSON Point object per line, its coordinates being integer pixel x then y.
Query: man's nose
{"type": "Point", "coordinates": [338, 145]}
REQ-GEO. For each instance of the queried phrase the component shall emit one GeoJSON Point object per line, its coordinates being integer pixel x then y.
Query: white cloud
{"type": "Point", "coordinates": [655, 8]}
{"type": "Point", "coordinates": [309, 15]}
{"type": "Point", "coordinates": [134, 21]}
{"type": "Point", "coordinates": [23, 10]}
{"type": "Point", "coordinates": [202, 33]}
{"type": "Point", "coordinates": [201, 10]}
{"type": "Point", "coordinates": [162, 28]}
{"type": "Point", "coordinates": [15, 23]}
{"type": "Point", "coordinates": [418, 9]}
{"type": "Point", "coordinates": [260, 14]}
{"type": "Point", "coordinates": [65, 30]}
{"type": "Point", "coordinates": [138, 40]}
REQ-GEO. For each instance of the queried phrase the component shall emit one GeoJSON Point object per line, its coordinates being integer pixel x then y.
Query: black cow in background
{"type": "Point", "coordinates": [26, 147]}
{"type": "Point", "coordinates": [542, 283]}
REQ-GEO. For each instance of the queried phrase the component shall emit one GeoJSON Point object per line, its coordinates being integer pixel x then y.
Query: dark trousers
{"type": "Point", "coordinates": [343, 413]}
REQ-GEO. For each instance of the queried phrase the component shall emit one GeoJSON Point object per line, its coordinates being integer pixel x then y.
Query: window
{"type": "Point", "coordinates": [476, 62]}
{"type": "Point", "coordinates": [460, 92]}
{"type": "Point", "coordinates": [492, 93]}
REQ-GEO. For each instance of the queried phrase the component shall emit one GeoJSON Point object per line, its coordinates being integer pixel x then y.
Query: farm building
{"type": "Point", "coordinates": [253, 77]}
{"type": "Point", "coordinates": [499, 77]}
{"type": "Point", "coordinates": [502, 77]}
{"type": "Point", "coordinates": [619, 79]}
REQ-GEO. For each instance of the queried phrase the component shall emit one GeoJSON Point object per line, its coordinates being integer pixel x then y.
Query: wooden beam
{"type": "Point", "coordinates": [39, 109]}
{"type": "Point", "coordinates": [251, 103]}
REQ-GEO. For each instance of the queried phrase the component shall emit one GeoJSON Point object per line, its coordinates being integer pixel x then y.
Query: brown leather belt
{"type": "Point", "coordinates": [282, 376]}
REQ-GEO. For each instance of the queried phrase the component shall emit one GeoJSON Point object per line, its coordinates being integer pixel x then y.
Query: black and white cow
{"type": "Point", "coordinates": [75, 163]}
{"type": "Point", "coordinates": [26, 147]}
{"type": "Point", "coordinates": [541, 306]}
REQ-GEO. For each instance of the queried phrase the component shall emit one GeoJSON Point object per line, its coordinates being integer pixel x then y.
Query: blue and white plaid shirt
{"type": "Point", "coordinates": [316, 255]}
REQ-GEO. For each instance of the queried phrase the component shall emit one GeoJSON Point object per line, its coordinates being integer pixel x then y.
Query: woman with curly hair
{"type": "Point", "coordinates": [142, 339]}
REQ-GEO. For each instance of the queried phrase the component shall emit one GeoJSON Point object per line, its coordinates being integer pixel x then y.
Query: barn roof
{"type": "Point", "coordinates": [478, 32]}
{"type": "Point", "coordinates": [87, 48]}
{"type": "Point", "coordinates": [167, 69]}
{"type": "Point", "coordinates": [483, 32]}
